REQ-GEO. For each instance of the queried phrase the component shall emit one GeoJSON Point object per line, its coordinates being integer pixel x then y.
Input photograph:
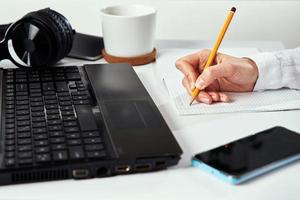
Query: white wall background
{"type": "Point", "coordinates": [182, 19]}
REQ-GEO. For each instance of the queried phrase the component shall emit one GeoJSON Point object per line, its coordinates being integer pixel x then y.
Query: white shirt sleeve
{"type": "Point", "coordinates": [278, 69]}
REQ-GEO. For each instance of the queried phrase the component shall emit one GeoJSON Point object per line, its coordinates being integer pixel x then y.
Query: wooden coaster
{"type": "Point", "coordinates": [134, 61]}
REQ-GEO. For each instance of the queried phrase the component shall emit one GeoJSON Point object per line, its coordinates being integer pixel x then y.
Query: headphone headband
{"type": "Point", "coordinates": [3, 28]}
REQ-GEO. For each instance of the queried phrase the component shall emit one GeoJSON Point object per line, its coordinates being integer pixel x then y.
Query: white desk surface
{"type": "Point", "coordinates": [195, 134]}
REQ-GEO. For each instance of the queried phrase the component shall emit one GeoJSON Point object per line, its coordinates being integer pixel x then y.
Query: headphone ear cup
{"type": "Point", "coordinates": [33, 43]}
{"type": "Point", "coordinates": [59, 30]}
{"type": "Point", "coordinates": [64, 26]}
{"type": "Point", "coordinates": [54, 34]}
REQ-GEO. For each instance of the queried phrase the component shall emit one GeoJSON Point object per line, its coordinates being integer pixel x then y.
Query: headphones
{"type": "Point", "coordinates": [38, 39]}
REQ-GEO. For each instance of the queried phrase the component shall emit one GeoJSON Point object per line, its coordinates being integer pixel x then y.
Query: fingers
{"type": "Point", "coordinates": [187, 85]}
{"type": "Point", "coordinates": [209, 75]}
{"type": "Point", "coordinates": [192, 65]}
{"type": "Point", "coordinates": [212, 97]}
{"type": "Point", "coordinates": [202, 97]}
{"type": "Point", "coordinates": [197, 60]}
{"type": "Point", "coordinates": [219, 96]}
{"type": "Point", "coordinates": [189, 72]}
{"type": "Point", "coordinates": [206, 97]}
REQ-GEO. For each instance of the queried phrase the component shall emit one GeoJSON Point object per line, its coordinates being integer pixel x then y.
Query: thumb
{"type": "Point", "coordinates": [210, 74]}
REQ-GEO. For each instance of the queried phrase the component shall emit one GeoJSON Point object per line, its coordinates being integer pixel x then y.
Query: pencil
{"type": "Point", "coordinates": [214, 51]}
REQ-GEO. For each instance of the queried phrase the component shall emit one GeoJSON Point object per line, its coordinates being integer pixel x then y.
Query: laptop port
{"type": "Point", "coordinates": [80, 173]}
{"type": "Point", "coordinates": [160, 164]}
{"type": "Point", "coordinates": [142, 167]}
{"type": "Point", "coordinates": [103, 171]}
{"type": "Point", "coordinates": [123, 169]}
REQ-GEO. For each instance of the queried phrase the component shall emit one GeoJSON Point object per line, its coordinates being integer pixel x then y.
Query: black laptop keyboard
{"type": "Point", "coordinates": [48, 118]}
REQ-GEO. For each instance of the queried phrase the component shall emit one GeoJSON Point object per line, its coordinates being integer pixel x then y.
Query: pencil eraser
{"type": "Point", "coordinates": [233, 9]}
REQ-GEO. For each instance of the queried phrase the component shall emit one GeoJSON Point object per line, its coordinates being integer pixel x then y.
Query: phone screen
{"type": "Point", "coordinates": [253, 152]}
{"type": "Point", "coordinates": [86, 47]}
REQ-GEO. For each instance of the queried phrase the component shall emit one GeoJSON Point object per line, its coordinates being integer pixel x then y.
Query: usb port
{"type": "Point", "coordinates": [80, 173]}
{"type": "Point", "coordinates": [123, 169]}
{"type": "Point", "coordinates": [142, 167]}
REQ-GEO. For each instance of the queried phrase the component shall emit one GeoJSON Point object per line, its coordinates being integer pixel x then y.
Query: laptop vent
{"type": "Point", "coordinates": [39, 175]}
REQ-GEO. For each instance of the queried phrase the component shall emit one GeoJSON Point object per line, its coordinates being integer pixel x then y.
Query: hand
{"type": "Point", "coordinates": [226, 74]}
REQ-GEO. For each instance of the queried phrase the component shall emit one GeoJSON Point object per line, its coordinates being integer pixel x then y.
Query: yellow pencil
{"type": "Point", "coordinates": [214, 51]}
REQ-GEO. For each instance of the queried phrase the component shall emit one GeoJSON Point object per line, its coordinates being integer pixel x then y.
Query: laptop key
{"type": "Point", "coordinates": [24, 135]}
{"type": "Point", "coordinates": [24, 148]}
{"type": "Point", "coordinates": [41, 158]}
{"type": "Point", "coordinates": [24, 141]}
{"type": "Point", "coordinates": [92, 140]}
{"type": "Point", "coordinates": [58, 146]}
{"type": "Point", "coordinates": [40, 136]}
{"type": "Point", "coordinates": [53, 122]}
{"type": "Point", "coordinates": [9, 154]}
{"type": "Point", "coordinates": [23, 129]}
{"type": "Point", "coordinates": [74, 142]}
{"type": "Point", "coordinates": [73, 76]}
{"type": "Point", "coordinates": [93, 147]}
{"type": "Point", "coordinates": [96, 154]}
{"type": "Point", "coordinates": [41, 143]}
{"type": "Point", "coordinates": [51, 117]}
{"type": "Point", "coordinates": [22, 118]}
{"type": "Point", "coordinates": [39, 130]}
{"type": "Point", "coordinates": [10, 131]}
{"type": "Point", "coordinates": [9, 126]}
{"type": "Point", "coordinates": [86, 118]}
{"type": "Point", "coordinates": [60, 155]}
{"type": "Point", "coordinates": [70, 123]}
{"type": "Point", "coordinates": [56, 134]}
{"type": "Point", "coordinates": [68, 118]}
{"type": "Point", "coordinates": [10, 162]}
{"type": "Point", "coordinates": [64, 108]}
{"type": "Point", "coordinates": [37, 114]}
{"type": "Point", "coordinates": [38, 119]}
{"type": "Point", "coordinates": [42, 150]}
{"type": "Point", "coordinates": [38, 124]}
{"type": "Point", "coordinates": [26, 154]}
{"type": "Point", "coordinates": [25, 161]}
{"type": "Point", "coordinates": [37, 109]}
{"type": "Point", "coordinates": [52, 107]}
{"type": "Point", "coordinates": [76, 152]}
{"type": "Point", "coordinates": [57, 140]}
{"type": "Point", "coordinates": [10, 136]}
{"type": "Point", "coordinates": [23, 123]}
{"type": "Point", "coordinates": [91, 134]}
{"type": "Point", "coordinates": [82, 102]}
{"type": "Point", "coordinates": [67, 113]}
{"type": "Point", "coordinates": [61, 87]}
{"type": "Point", "coordinates": [73, 135]}
{"type": "Point", "coordinates": [71, 129]}
{"type": "Point", "coordinates": [55, 128]}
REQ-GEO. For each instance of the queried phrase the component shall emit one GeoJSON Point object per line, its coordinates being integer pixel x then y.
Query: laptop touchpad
{"type": "Point", "coordinates": [132, 114]}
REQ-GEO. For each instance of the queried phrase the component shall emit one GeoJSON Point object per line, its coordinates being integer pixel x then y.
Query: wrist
{"type": "Point", "coordinates": [254, 71]}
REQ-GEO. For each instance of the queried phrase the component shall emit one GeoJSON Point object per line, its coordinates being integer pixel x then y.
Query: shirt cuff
{"type": "Point", "coordinates": [269, 72]}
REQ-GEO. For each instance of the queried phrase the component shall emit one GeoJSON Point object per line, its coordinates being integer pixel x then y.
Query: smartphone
{"type": "Point", "coordinates": [86, 47]}
{"type": "Point", "coordinates": [249, 157]}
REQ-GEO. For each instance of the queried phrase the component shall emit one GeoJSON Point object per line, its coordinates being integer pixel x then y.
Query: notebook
{"type": "Point", "coordinates": [271, 100]}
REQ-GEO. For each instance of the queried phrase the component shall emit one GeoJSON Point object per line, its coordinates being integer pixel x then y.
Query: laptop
{"type": "Point", "coordinates": [79, 122]}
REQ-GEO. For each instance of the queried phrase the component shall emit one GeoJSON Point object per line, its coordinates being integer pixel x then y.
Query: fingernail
{"type": "Point", "coordinates": [200, 84]}
{"type": "Point", "coordinates": [205, 100]}
{"type": "Point", "coordinates": [192, 86]}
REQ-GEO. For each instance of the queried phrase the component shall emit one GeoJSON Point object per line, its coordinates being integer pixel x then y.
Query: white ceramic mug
{"type": "Point", "coordinates": [128, 30]}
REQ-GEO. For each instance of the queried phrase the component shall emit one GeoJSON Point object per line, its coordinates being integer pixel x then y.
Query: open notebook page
{"type": "Point", "coordinates": [272, 100]}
